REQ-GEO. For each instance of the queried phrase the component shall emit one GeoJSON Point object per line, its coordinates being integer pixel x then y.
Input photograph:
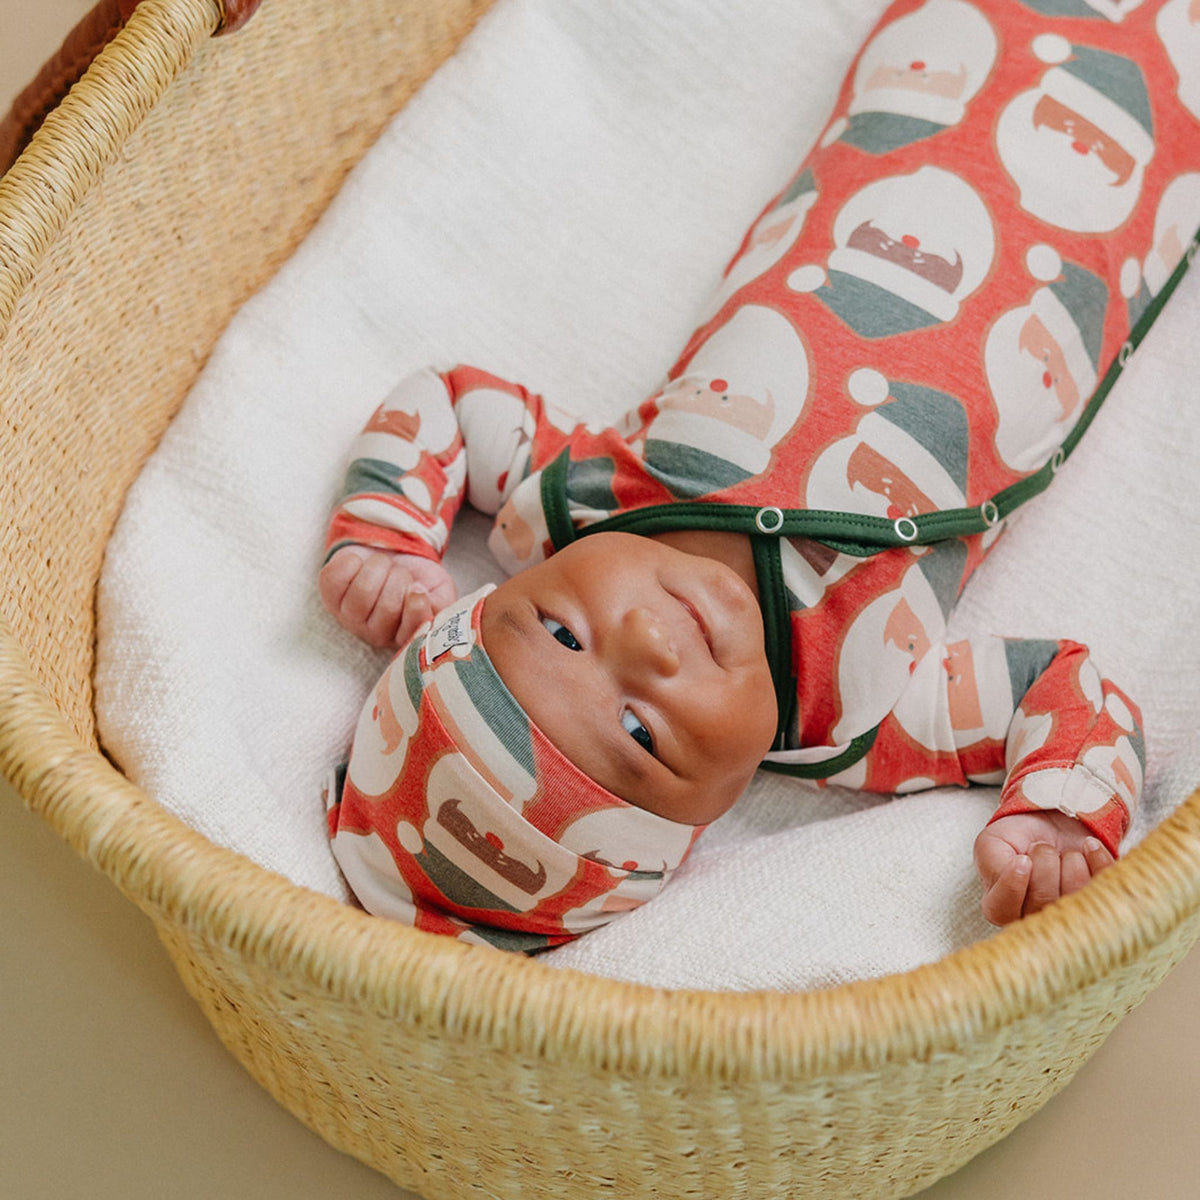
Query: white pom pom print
{"type": "Point", "coordinates": [1052, 47]}
{"type": "Point", "coordinates": [1044, 262]}
{"type": "Point", "coordinates": [868, 386]}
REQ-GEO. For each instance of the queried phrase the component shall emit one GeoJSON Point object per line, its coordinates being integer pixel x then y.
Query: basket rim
{"type": "Point", "coordinates": [479, 994]}
{"type": "Point", "coordinates": [86, 130]}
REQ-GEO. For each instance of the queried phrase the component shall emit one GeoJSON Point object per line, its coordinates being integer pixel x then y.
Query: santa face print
{"type": "Point", "coordinates": [1036, 342]}
{"type": "Point", "coordinates": [974, 678]}
{"type": "Point", "coordinates": [391, 448]}
{"type": "Point", "coordinates": [385, 726]}
{"type": "Point", "coordinates": [962, 687]}
{"type": "Point", "coordinates": [916, 77]}
{"type": "Point", "coordinates": [519, 532]}
{"type": "Point", "coordinates": [1175, 224]}
{"type": "Point", "coordinates": [909, 249]}
{"type": "Point", "coordinates": [871, 472]}
{"type": "Point", "coordinates": [395, 454]}
{"type": "Point", "coordinates": [1178, 26]}
{"type": "Point", "coordinates": [905, 632]}
{"type": "Point", "coordinates": [919, 78]}
{"type": "Point", "coordinates": [772, 235]}
{"type": "Point", "coordinates": [1174, 230]}
{"type": "Point", "coordinates": [611, 835]}
{"type": "Point", "coordinates": [810, 568]}
{"type": "Point", "coordinates": [497, 419]}
{"type": "Point", "coordinates": [1041, 397]}
{"type": "Point", "coordinates": [906, 457]}
{"type": "Point", "coordinates": [608, 836]}
{"type": "Point", "coordinates": [717, 423]}
{"type": "Point", "coordinates": [716, 400]}
{"type": "Point", "coordinates": [1077, 145]}
{"type": "Point", "coordinates": [1042, 360]}
{"type": "Point", "coordinates": [892, 635]}
{"type": "Point", "coordinates": [945, 679]}
{"type": "Point", "coordinates": [881, 651]}
{"type": "Point", "coordinates": [469, 849]}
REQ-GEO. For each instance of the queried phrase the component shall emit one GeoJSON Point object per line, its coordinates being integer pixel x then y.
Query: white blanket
{"type": "Point", "coordinates": [554, 206]}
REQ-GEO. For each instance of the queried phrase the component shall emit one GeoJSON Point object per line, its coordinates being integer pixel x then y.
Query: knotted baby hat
{"type": "Point", "coordinates": [457, 815]}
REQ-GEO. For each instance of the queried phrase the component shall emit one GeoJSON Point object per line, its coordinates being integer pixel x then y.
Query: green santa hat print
{"type": "Point", "coordinates": [1107, 89]}
{"type": "Point", "coordinates": [909, 249]}
{"type": "Point", "coordinates": [1114, 10]}
{"type": "Point", "coordinates": [909, 455]}
{"type": "Point", "coordinates": [916, 77]}
{"type": "Point", "coordinates": [1040, 386]}
{"type": "Point", "coordinates": [718, 421]}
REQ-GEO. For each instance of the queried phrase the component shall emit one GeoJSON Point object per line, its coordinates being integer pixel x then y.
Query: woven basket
{"type": "Point", "coordinates": [160, 193]}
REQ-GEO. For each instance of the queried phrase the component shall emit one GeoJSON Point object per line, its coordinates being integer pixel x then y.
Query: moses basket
{"type": "Point", "coordinates": [162, 191]}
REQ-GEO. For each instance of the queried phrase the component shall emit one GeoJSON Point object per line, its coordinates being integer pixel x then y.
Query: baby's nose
{"type": "Point", "coordinates": [648, 643]}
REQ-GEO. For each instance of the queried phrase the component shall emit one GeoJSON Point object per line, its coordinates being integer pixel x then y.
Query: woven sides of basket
{"type": "Point", "coordinates": [140, 217]}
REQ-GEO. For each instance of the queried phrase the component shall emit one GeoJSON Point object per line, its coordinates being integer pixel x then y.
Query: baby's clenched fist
{"type": "Point", "coordinates": [381, 596]}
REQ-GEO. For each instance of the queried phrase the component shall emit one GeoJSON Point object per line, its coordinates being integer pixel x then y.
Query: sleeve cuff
{"type": "Point", "coordinates": [1074, 790]}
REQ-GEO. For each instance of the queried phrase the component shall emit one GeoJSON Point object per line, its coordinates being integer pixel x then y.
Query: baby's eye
{"type": "Point", "coordinates": [561, 633]}
{"type": "Point", "coordinates": [637, 731]}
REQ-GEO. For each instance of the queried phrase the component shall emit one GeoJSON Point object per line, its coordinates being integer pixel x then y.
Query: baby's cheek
{"type": "Point", "coordinates": [743, 724]}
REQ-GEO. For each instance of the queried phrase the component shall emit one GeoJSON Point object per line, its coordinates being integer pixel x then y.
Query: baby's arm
{"type": "Point", "coordinates": [1038, 718]}
{"type": "Point", "coordinates": [435, 439]}
{"type": "Point", "coordinates": [1075, 762]}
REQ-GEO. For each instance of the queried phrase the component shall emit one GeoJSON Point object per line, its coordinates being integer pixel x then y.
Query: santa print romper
{"type": "Point", "coordinates": [907, 344]}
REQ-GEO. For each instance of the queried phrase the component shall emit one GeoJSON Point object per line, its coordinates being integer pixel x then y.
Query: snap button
{"type": "Point", "coordinates": [906, 529]}
{"type": "Point", "coordinates": [769, 520]}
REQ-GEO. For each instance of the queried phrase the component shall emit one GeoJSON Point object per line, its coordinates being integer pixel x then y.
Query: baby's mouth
{"type": "Point", "coordinates": [692, 612]}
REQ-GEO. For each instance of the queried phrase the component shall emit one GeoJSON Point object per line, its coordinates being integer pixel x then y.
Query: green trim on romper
{"type": "Point", "coordinates": [855, 751]}
{"type": "Point", "coordinates": [559, 525]}
{"type": "Point", "coordinates": [850, 533]}
{"type": "Point", "coordinates": [777, 630]}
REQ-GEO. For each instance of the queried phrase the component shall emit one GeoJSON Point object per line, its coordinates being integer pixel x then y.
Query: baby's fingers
{"type": "Point", "coordinates": [1075, 871]}
{"type": "Point", "coordinates": [1097, 855]}
{"type": "Point", "coordinates": [336, 576]}
{"type": "Point", "coordinates": [362, 593]}
{"type": "Point", "coordinates": [1004, 900]}
{"type": "Point", "coordinates": [390, 605]}
{"type": "Point", "coordinates": [1045, 879]}
{"type": "Point", "coordinates": [1079, 866]}
{"type": "Point", "coordinates": [417, 610]}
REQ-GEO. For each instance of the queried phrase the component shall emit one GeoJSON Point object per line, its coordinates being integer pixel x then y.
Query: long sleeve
{"type": "Point", "coordinates": [1035, 716]}
{"type": "Point", "coordinates": [437, 439]}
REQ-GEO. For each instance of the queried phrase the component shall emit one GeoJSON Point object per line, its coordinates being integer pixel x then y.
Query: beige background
{"type": "Point", "coordinates": [113, 1085]}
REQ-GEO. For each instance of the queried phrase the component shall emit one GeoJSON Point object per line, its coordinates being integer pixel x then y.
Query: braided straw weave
{"type": "Point", "coordinates": [165, 188]}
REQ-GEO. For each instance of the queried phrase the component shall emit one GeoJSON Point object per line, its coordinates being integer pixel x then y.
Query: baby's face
{"type": "Point", "coordinates": [644, 665]}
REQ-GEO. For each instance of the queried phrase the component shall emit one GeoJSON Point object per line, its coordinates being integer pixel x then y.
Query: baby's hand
{"type": "Point", "coordinates": [1028, 860]}
{"type": "Point", "coordinates": [381, 596]}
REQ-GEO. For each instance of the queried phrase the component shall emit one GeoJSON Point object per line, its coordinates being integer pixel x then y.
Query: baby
{"type": "Point", "coordinates": [756, 565]}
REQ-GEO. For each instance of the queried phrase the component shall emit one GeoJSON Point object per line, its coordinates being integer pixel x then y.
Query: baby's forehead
{"type": "Point", "coordinates": [617, 554]}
